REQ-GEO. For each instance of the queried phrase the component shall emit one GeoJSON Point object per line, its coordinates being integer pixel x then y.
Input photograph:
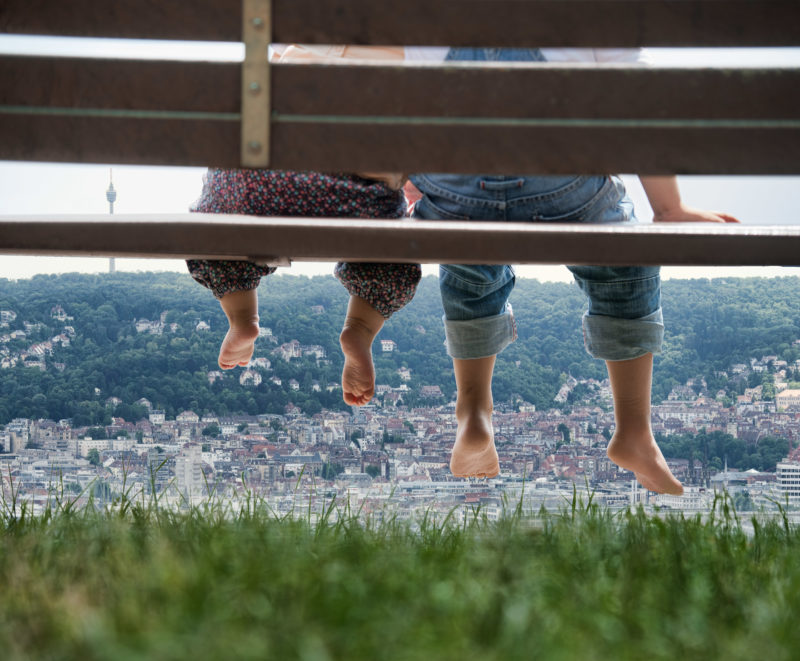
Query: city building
{"type": "Point", "coordinates": [789, 480]}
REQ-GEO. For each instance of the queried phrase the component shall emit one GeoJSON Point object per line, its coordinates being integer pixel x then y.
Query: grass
{"type": "Point", "coordinates": [142, 582]}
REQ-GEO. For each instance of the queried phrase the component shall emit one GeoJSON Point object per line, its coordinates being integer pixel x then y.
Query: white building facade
{"type": "Point", "coordinates": [789, 480]}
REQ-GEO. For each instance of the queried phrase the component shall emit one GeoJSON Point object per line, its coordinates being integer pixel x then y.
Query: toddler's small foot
{"type": "Point", "coordinates": [358, 375]}
{"type": "Point", "coordinates": [238, 345]}
{"type": "Point", "coordinates": [474, 453]}
{"type": "Point", "coordinates": [646, 462]}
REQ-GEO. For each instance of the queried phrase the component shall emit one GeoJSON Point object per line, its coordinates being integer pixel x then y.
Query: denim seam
{"type": "Point", "coordinates": [603, 196]}
{"type": "Point", "coordinates": [550, 195]}
{"type": "Point", "coordinates": [617, 282]}
{"type": "Point", "coordinates": [442, 212]}
{"type": "Point", "coordinates": [482, 202]}
{"type": "Point", "coordinates": [483, 285]}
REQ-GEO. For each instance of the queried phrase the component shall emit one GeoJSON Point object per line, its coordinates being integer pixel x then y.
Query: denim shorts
{"type": "Point", "coordinates": [623, 320]}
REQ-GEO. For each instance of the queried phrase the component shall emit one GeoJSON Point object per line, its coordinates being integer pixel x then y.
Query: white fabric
{"type": "Point", "coordinates": [629, 55]}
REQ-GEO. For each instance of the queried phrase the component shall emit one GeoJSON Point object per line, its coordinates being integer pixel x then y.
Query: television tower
{"type": "Point", "coordinates": [111, 196]}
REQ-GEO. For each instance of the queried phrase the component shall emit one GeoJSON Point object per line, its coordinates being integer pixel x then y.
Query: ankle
{"type": "Point", "coordinates": [358, 329]}
{"type": "Point", "coordinates": [467, 407]}
{"type": "Point", "coordinates": [632, 434]}
{"type": "Point", "coordinates": [245, 326]}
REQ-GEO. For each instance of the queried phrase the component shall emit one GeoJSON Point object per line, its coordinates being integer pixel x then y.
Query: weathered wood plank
{"type": "Point", "coordinates": [200, 20]}
{"type": "Point", "coordinates": [153, 85]}
{"type": "Point", "coordinates": [240, 237]}
{"type": "Point", "coordinates": [543, 149]}
{"type": "Point", "coordinates": [595, 23]}
{"type": "Point", "coordinates": [462, 89]}
{"type": "Point", "coordinates": [455, 90]}
{"type": "Point", "coordinates": [461, 118]}
{"type": "Point", "coordinates": [125, 140]}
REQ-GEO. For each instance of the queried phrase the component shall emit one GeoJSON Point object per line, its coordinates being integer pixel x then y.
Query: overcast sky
{"type": "Point", "coordinates": [47, 188]}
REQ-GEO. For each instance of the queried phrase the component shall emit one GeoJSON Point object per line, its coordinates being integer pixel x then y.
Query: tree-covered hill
{"type": "Point", "coordinates": [106, 341]}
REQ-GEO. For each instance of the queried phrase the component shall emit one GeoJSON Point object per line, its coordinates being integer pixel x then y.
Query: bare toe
{"type": "Point", "coordinates": [238, 346]}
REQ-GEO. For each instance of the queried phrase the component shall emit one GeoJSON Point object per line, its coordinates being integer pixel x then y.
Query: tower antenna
{"type": "Point", "coordinates": [111, 196]}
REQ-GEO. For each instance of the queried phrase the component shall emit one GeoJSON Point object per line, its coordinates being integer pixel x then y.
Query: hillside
{"type": "Point", "coordinates": [90, 346]}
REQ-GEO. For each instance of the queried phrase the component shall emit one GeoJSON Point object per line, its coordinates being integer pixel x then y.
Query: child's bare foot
{"type": "Point", "coordinates": [646, 462]}
{"type": "Point", "coordinates": [238, 345]}
{"type": "Point", "coordinates": [360, 328]}
{"type": "Point", "coordinates": [633, 447]}
{"type": "Point", "coordinates": [241, 309]}
{"type": "Point", "coordinates": [358, 375]}
{"type": "Point", "coordinates": [474, 453]}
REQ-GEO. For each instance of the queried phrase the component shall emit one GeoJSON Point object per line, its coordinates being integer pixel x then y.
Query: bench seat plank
{"type": "Point", "coordinates": [314, 239]}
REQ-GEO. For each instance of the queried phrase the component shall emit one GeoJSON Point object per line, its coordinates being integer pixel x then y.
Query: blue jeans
{"type": "Point", "coordinates": [623, 320]}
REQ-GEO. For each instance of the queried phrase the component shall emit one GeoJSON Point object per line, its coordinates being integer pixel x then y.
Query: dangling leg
{"type": "Point", "coordinates": [624, 326]}
{"type": "Point", "coordinates": [633, 447]}
{"type": "Point", "coordinates": [234, 284]}
{"type": "Point", "coordinates": [241, 309]}
{"type": "Point", "coordinates": [474, 453]}
{"type": "Point", "coordinates": [361, 325]}
{"type": "Point", "coordinates": [479, 324]}
{"type": "Point", "coordinates": [376, 292]}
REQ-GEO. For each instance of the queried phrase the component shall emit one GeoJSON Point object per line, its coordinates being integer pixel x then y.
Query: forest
{"type": "Point", "coordinates": [108, 364]}
{"type": "Point", "coordinates": [713, 449]}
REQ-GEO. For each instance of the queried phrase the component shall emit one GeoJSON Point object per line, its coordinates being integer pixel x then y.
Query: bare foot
{"type": "Point", "coordinates": [474, 453]}
{"type": "Point", "coordinates": [238, 345]}
{"type": "Point", "coordinates": [241, 309]}
{"type": "Point", "coordinates": [358, 375]}
{"type": "Point", "coordinates": [361, 325]}
{"type": "Point", "coordinates": [646, 462]}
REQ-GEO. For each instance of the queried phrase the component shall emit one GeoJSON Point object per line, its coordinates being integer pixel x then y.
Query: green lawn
{"type": "Point", "coordinates": [578, 585]}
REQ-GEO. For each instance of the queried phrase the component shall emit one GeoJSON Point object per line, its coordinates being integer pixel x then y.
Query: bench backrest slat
{"type": "Point", "coordinates": [460, 117]}
{"type": "Point", "coordinates": [97, 84]}
{"type": "Point", "coordinates": [365, 147]}
{"type": "Point", "coordinates": [454, 90]}
{"type": "Point", "coordinates": [609, 23]}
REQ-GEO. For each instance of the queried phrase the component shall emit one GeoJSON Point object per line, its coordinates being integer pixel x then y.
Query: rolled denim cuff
{"type": "Point", "coordinates": [479, 338]}
{"type": "Point", "coordinates": [612, 338]}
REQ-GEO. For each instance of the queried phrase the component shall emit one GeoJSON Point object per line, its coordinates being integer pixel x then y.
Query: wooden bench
{"type": "Point", "coordinates": [454, 117]}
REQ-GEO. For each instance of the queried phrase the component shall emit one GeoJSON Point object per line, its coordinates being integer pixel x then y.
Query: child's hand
{"type": "Point", "coordinates": [665, 200]}
{"type": "Point", "coordinates": [682, 214]}
{"type": "Point", "coordinates": [393, 180]}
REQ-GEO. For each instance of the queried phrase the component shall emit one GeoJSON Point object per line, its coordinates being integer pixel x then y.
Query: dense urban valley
{"type": "Point", "coordinates": [109, 385]}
